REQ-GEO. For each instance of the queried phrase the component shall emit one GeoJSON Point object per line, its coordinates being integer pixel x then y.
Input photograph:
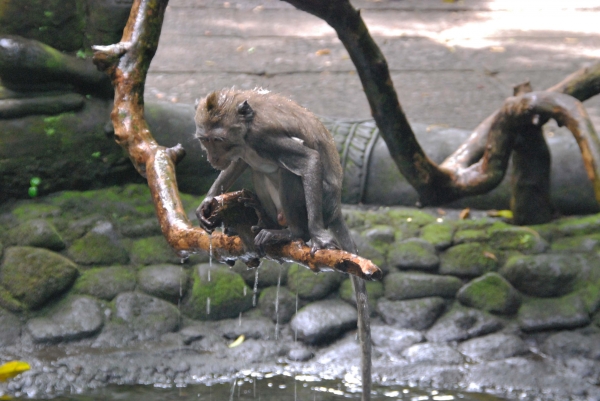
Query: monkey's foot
{"type": "Point", "coordinates": [271, 237]}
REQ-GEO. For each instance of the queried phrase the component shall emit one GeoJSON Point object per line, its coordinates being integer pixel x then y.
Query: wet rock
{"type": "Point", "coordinates": [269, 273]}
{"type": "Point", "coordinates": [468, 260]}
{"type": "Point", "coordinates": [300, 354]}
{"type": "Point", "coordinates": [312, 286]}
{"type": "Point", "coordinates": [461, 323]}
{"type": "Point", "coordinates": [375, 251]}
{"type": "Point", "coordinates": [195, 332]}
{"type": "Point", "coordinates": [38, 233]}
{"type": "Point", "coordinates": [393, 338]}
{"type": "Point", "coordinates": [152, 251]}
{"type": "Point", "coordinates": [555, 313]}
{"type": "Point", "coordinates": [547, 275]}
{"type": "Point", "coordinates": [379, 235]}
{"type": "Point", "coordinates": [165, 281]}
{"type": "Point", "coordinates": [323, 321]}
{"type": "Point", "coordinates": [146, 316]}
{"type": "Point", "coordinates": [439, 354]}
{"type": "Point", "coordinates": [584, 243]}
{"type": "Point", "coordinates": [418, 314]}
{"type": "Point", "coordinates": [257, 328]}
{"type": "Point", "coordinates": [73, 319]}
{"type": "Point", "coordinates": [34, 275]}
{"type": "Point", "coordinates": [344, 352]}
{"type": "Point", "coordinates": [374, 292]}
{"type": "Point", "coordinates": [399, 286]}
{"type": "Point", "coordinates": [106, 282]}
{"type": "Point", "coordinates": [522, 239]}
{"type": "Point", "coordinates": [253, 351]}
{"type": "Point", "coordinates": [493, 347]}
{"type": "Point", "coordinates": [526, 375]}
{"type": "Point", "coordinates": [438, 234]}
{"type": "Point", "coordinates": [277, 304]}
{"type": "Point", "coordinates": [97, 249]}
{"type": "Point", "coordinates": [490, 293]}
{"type": "Point", "coordinates": [10, 328]}
{"type": "Point", "coordinates": [570, 344]}
{"type": "Point", "coordinates": [216, 293]}
{"type": "Point", "coordinates": [414, 253]}
{"type": "Point", "coordinates": [140, 228]}
{"type": "Point", "coordinates": [115, 334]}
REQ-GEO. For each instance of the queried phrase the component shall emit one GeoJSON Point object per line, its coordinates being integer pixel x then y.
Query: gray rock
{"type": "Point", "coordinates": [418, 314]}
{"type": "Point", "coordinates": [257, 328]}
{"type": "Point", "coordinates": [148, 317]}
{"type": "Point", "coordinates": [105, 282]}
{"type": "Point", "coordinates": [195, 332]}
{"type": "Point", "coordinates": [277, 304]}
{"type": "Point", "coordinates": [380, 234]}
{"type": "Point", "coordinates": [569, 344]}
{"type": "Point", "coordinates": [38, 233]}
{"type": "Point", "coordinates": [462, 323]}
{"type": "Point", "coordinates": [34, 275]}
{"type": "Point", "coordinates": [216, 293]}
{"type": "Point", "coordinates": [393, 338]}
{"type": "Point", "coordinates": [468, 260]}
{"type": "Point", "coordinates": [300, 354]}
{"type": "Point", "coordinates": [556, 313]}
{"type": "Point", "coordinates": [165, 281]}
{"type": "Point", "coordinates": [10, 328]}
{"type": "Point", "coordinates": [323, 321]}
{"type": "Point", "coordinates": [98, 249]}
{"type": "Point", "coordinates": [399, 286]}
{"type": "Point", "coordinates": [73, 319]}
{"type": "Point", "coordinates": [584, 243]}
{"type": "Point", "coordinates": [344, 352]}
{"type": "Point", "coordinates": [114, 335]}
{"type": "Point", "coordinates": [429, 353]}
{"type": "Point", "coordinates": [548, 275]}
{"type": "Point", "coordinates": [491, 293]}
{"type": "Point", "coordinates": [414, 253]}
{"type": "Point", "coordinates": [310, 285]}
{"type": "Point", "coordinates": [493, 347]}
{"type": "Point", "coordinates": [375, 251]}
{"type": "Point", "coordinates": [152, 251]}
{"type": "Point", "coordinates": [438, 234]}
{"type": "Point", "coordinates": [140, 228]}
{"type": "Point", "coordinates": [269, 273]}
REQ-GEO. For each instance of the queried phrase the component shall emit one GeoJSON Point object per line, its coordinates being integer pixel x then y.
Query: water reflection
{"type": "Point", "coordinates": [269, 387]}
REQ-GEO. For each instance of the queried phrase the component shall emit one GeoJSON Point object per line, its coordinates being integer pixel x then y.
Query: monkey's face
{"type": "Point", "coordinates": [221, 151]}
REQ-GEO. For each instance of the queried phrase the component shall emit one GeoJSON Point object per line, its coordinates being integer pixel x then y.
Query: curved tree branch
{"type": "Point", "coordinates": [127, 64]}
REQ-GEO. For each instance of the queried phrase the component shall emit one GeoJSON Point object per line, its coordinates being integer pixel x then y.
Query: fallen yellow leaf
{"type": "Point", "coordinates": [506, 214]}
{"type": "Point", "coordinates": [12, 369]}
{"type": "Point", "coordinates": [490, 255]}
{"type": "Point", "coordinates": [464, 214]}
{"type": "Point", "coordinates": [237, 341]}
{"type": "Point", "coordinates": [323, 52]}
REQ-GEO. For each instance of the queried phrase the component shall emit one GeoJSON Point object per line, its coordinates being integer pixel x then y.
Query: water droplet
{"type": "Point", "coordinates": [208, 305]}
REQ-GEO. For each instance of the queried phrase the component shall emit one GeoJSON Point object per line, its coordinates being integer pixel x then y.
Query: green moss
{"type": "Point", "coordinates": [153, 250]}
{"type": "Point", "coordinates": [8, 302]}
{"type": "Point", "coordinates": [226, 291]}
{"type": "Point", "coordinates": [29, 211]}
{"type": "Point", "coordinates": [374, 292]}
{"type": "Point", "coordinates": [583, 243]}
{"type": "Point", "coordinates": [468, 260]}
{"type": "Point", "coordinates": [491, 293]}
{"type": "Point", "coordinates": [105, 283]}
{"type": "Point", "coordinates": [590, 295]}
{"type": "Point", "coordinates": [97, 249]}
{"type": "Point", "coordinates": [523, 239]}
{"type": "Point", "coordinates": [312, 286]}
{"type": "Point", "coordinates": [463, 236]}
{"type": "Point", "coordinates": [438, 234]}
{"type": "Point", "coordinates": [579, 225]}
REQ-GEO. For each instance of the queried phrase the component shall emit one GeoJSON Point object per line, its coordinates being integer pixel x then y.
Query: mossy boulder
{"type": "Point", "coordinates": [522, 239]}
{"type": "Point", "coordinates": [540, 314]}
{"type": "Point", "coordinates": [33, 209]}
{"type": "Point", "coordinates": [438, 234]}
{"type": "Point", "coordinates": [547, 275]}
{"type": "Point", "coordinates": [467, 235]}
{"type": "Point", "coordinates": [97, 249]}
{"type": "Point", "coordinates": [399, 286]}
{"type": "Point", "coordinates": [38, 233]}
{"type": "Point", "coordinates": [147, 317]}
{"type": "Point", "coordinates": [582, 243]}
{"type": "Point", "coordinates": [105, 282]}
{"type": "Point", "coordinates": [375, 253]}
{"type": "Point", "coordinates": [311, 286]}
{"type": "Point", "coordinates": [414, 253]}
{"type": "Point", "coordinates": [216, 293]}
{"type": "Point", "coordinates": [269, 273]}
{"type": "Point", "coordinates": [34, 275]}
{"type": "Point", "coordinates": [153, 250]}
{"type": "Point", "coordinates": [468, 260]}
{"type": "Point", "coordinates": [578, 225]}
{"type": "Point", "coordinates": [165, 281]}
{"type": "Point", "coordinates": [277, 303]}
{"type": "Point", "coordinates": [374, 292]}
{"type": "Point", "coordinates": [490, 293]}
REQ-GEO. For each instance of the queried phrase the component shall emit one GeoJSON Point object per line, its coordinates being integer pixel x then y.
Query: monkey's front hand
{"type": "Point", "coordinates": [323, 240]}
{"type": "Point", "coordinates": [203, 213]}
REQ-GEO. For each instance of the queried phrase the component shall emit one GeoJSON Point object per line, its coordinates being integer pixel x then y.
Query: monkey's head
{"type": "Point", "coordinates": [222, 122]}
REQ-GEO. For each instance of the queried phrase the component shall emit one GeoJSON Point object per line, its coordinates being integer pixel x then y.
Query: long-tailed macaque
{"type": "Point", "coordinates": [296, 173]}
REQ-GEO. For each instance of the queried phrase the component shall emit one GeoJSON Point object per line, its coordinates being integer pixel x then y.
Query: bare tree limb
{"type": "Point", "coordinates": [127, 64]}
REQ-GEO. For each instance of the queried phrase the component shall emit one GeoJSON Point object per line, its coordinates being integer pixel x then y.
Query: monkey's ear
{"type": "Point", "coordinates": [196, 103]}
{"type": "Point", "coordinates": [245, 110]}
{"type": "Point", "coordinates": [212, 101]}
